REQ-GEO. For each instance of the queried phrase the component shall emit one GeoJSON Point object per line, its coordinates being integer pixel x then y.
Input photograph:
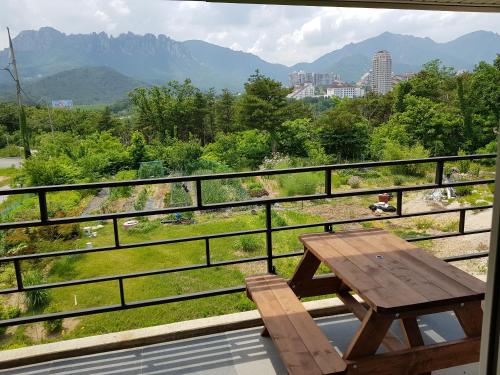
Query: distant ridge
{"type": "Point", "coordinates": [157, 59]}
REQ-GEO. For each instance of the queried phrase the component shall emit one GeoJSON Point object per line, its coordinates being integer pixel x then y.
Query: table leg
{"type": "Point", "coordinates": [470, 317]}
{"type": "Point", "coordinates": [369, 335]}
{"type": "Point", "coordinates": [305, 270]}
{"type": "Point", "coordinates": [412, 333]}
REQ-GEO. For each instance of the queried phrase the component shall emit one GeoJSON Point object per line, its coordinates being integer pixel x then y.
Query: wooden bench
{"type": "Point", "coordinates": [302, 345]}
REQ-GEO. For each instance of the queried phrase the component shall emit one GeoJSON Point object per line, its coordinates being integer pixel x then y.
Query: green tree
{"type": "Point", "coordinates": [262, 105]}
{"type": "Point", "coordinates": [225, 112]}
{"type": "Point", "coordinates": [106, 120]}
{"type": "Point", "coordinates": [137, 148]}
{"type": "Point", "coordinates": [343, 133]}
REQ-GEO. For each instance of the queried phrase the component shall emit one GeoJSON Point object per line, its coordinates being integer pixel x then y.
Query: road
{"type": "Point", "coordinates": [9, 162]}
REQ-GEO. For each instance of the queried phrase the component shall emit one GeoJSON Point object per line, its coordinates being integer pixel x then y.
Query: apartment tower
{"type": "Point", "coordinates": [381, 80]}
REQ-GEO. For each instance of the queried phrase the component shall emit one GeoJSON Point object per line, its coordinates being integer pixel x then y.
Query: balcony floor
{"type": "Point", "coordinates": [232, 353]}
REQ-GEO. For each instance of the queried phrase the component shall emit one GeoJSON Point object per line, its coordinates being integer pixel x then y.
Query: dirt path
{"type": "Point", "coordinates": [96, 202]}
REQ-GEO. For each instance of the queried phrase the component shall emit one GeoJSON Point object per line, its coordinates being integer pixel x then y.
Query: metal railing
{"type": "Point", "coordinates": [268, 230]}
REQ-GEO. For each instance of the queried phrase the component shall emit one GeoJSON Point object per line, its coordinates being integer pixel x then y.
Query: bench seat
{"type": "Point", "coordinates": [302, 345]}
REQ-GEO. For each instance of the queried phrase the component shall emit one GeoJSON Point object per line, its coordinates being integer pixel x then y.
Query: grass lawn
{"type": "Point", "coordinates": [159, 257]}
{"type": "Point", "coordinates": [7, 175]}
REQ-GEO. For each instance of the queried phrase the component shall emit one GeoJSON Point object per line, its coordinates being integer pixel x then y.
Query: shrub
{"type": "Point", "coordinates": [36, 300]}
{"type": "Point", "coordinates": [398, 180]}
{"type": "Point", "coordinates": [8, 312]}
{"type": "Point", "coordinates": [299, 184]}
{"type": "Point", "coordinates": [256, 190]}
{"type": "Point", "coordinates": [474, 169]}
{"type": "Point", "coordinates": [144, 227]}
{"type": "Point", "coordinates": [248, 243]}
{"type": "Point", "coordinates": [354, 182]}
{"type": "Point", "coordinates": [53, 325]}
{"type": "Point", "coordinates": [141, 200]}
{"type": "Point", "coordinates": [276, 219]}
{"type": "Point", "coordinates": [395, 151]}
{"type": "Point", "coordinates": [122, 191]}
{"type": "Point", "coordinates": [179, 197]}
{"type": "Point", "coordinates": [462, 191]}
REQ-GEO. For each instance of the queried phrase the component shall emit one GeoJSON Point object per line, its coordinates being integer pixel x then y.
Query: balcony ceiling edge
{"type": "Point", "coordinates": [492, 6]}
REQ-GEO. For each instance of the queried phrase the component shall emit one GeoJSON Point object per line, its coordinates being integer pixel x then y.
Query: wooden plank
{"type": "Point", "coordinates": [406, 278]}
{"type": "Point", "coordinates": [444, 268]}
{"type": "Point", "coordinates": [293, 352]}
{"type": "Point", "coordinates": [418, 360]}
{"type": "Point", "coordinates": [374, 284]}
{"type": "Point", "coordinates": [412, 334]}
{"type": "Point", "coordinates": [470, 317]}
{"type": "Point", "coordinates": [369, 335]}
{"type": "Point", "coordinates": [325, 355]}
{"type": "Point", "coordinates": [305, 270]}
{"type": "Point", "coordinates": [390, 342]}
{"type": "Point", "coordinates": [293, 330]}
{"type": "Point", "coordinates": [317, 286]}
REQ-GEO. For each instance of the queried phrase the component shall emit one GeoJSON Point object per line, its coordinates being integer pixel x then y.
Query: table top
{"type": "Point", "coordinates": [390, 274]}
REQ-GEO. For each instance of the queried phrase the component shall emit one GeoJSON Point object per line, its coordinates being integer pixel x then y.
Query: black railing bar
{"type": "Point", "coordinates": [218, 176]}
{"type": "Point", "coordinates": [237, 233]}
{"type": "Point", "coordinates": [115, 233]}
{"type": "Point", "coordinates": [102, 279]}
{"type": "Point", "coordinates": [454, 258]}
{"type": "Point", "coordinates": [131, 245]}
{"type": "Point", "coordinates": [336, 222]}
{"type": "Point", "coordinates": [438, 177]}
{"type": "Point", "coordinates": [59, 315]}
{"type": "Point", "coordinates": [218, 206]}
{"type": "Point", "coordinates": [457, 258]}
{"type": "Point", "coordinates": [42, 204]}
{"type": "Point", "coordinates": [461, 222]}
{"type": "Point", "coordinates": [446, 235]}
{"type": "Point", "coordinates": [376, 218]}
{"type": "Point", "coordinates": [186, 297]}
{"type": "Point", "coordinates": [117, 307]}
{"type": "Point", "coordinates": [399, 203]}
{"type": "Point", "coordinates": [122, 292]}
{"type": "Point", "coordinates": [288, 255]}
{"type": "Point", "coordinates": [199, 200]}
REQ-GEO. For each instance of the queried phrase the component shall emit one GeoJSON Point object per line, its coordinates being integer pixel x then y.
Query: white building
{"type": "Point", "coordinates": [381, 77]}
{"type": "Point", "coordinates": [345, 91]}
{"type": "Point", "coordinates": [302, 92]}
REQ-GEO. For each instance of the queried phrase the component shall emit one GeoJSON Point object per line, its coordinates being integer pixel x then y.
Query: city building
{"type": "Point", "coordinates": [381, 77]}
{"type": "Point", "coordinates": [300, 78]}
{"type": "Point", "coordinates": [396, 78]}
{"type": "Point", "coordinates": [345, 91]}
{"type": "Point", "coordinates": [301, 92]}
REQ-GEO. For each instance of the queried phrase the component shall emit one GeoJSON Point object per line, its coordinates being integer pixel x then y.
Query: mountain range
{"type": "Point", "coordinates": [96, 67]}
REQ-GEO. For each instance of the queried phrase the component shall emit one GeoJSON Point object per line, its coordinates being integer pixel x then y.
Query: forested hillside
{"type": "Point", "coordinates": [184, 130]}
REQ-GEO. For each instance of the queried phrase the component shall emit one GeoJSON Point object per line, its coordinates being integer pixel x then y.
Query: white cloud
{"type": "Point", "coordinates": [276, 33]}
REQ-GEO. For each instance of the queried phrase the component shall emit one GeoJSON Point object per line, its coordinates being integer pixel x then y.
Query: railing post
{"type": "Point", "coordinates": [439, 173]}
{"type": "Point", "coordinates": [42, 202]}
{"type": "Point", "coordinates": [199, 202]}
{"type": "Point", "coordinates": [207, 250]}
{"type": "Point", "coordinates": [122, 293]}
{"type": "Point", "coordinates": [19, 277]}
{"type": "Point", "coordinates": [115, 232]}
{"type": "Point", "coordinates": [328, 182]}
{"type": "Point", "coordinates": [269, 239]}
{"type": "Point", "coordinates": [461, 223]}
{"type": "Point", "coordinates": [399, 203]}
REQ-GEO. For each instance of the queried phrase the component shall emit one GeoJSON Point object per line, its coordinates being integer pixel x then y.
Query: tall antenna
{"type": "Point", "coordinates": [22, 115]}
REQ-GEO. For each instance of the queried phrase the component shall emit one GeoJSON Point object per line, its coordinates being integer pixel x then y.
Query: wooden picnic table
{"type": "Point", "coordinates": [395, 280]}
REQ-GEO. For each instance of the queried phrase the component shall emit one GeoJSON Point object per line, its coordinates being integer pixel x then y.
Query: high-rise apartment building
{"type": "Point", "coordinates": [381, 76]}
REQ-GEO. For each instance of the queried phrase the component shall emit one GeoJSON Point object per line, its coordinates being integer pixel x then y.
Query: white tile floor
{"type": "Point", "coordinates": [242, 352]}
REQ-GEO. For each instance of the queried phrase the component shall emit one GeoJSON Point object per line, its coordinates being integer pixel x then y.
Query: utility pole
{"type": "Point", "coordinates": [22, 115]}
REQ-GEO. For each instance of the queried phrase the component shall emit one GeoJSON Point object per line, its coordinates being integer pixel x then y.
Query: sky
{"type": "Point", "coordinates": [278, 34]}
